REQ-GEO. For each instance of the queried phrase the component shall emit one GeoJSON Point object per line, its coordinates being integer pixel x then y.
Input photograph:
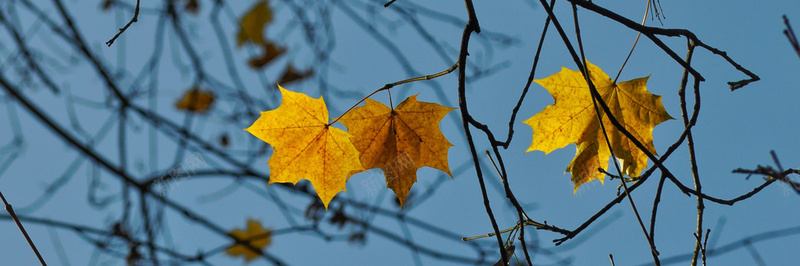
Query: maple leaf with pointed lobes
{"type": "Point", "coordinates": [572, 119]}
{"type": "Point", "coordinates": [255, 235]}
{"type": "Point", "coordinates": [399, 141]}
{"type": "Point", "coordinates": [306, 147]}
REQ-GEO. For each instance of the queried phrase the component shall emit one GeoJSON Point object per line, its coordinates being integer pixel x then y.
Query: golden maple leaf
{"type": "Point", "coordinates": [306, 147]}
{"type": "Point", "coordinates": [195, 100]}
{"type": "Point", "coordinates": [253, 23]}
{"type": "Point", "coordinates": [572, 119]}
{"type": "Point", "coordinates": [400, 140]}
{"type": "Point", "coordinates": [255, 235]}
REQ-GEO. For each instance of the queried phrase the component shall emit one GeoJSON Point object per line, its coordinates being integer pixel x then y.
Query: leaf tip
{"type": "Point", "coordinates": [325, 203]}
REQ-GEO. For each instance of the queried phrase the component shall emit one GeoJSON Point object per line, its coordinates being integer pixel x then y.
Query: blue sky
{"type": "Point", "coordinates": [735, 129]}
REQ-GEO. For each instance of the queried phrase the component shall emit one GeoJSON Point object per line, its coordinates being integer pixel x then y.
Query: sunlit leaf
{"type": "Point", "coordinates": [572, 119]}
{"type": "Point", "coordinates": [399, 141]}
{"type": "Point", "coordinates": [306, 147]}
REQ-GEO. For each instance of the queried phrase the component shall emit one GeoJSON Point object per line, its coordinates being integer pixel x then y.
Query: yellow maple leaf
{"type": "Point", "coordinates": [400, 140]}
{"type": "Point", "coordinates": [572, 119]}
{"type": "Point", "coordinates": [255, 235]}
{"type": "Point", "coordinates": [195, 100]}
{"type": "Point", "coordinates": [306, 147]}
{"type": "Point", "coordinates": [253, 23]}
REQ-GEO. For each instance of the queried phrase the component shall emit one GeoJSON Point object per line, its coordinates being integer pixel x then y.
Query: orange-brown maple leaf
{"type": "Point", "coordinates": [306, 147]}
{"type": "Point", "coordinates": [572, 119]}
{"type": "Point", "coordinates": [196, 100]}
{"type": "Point", "coordinates": [291, 74]}
{"type": "Point", "coordinates": [400, 140]}
{"type": "Point", "coordinates": [271, 52]}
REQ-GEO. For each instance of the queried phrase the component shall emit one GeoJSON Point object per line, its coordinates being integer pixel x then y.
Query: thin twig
{"type": "Point", "coordinates": [705, 246]}
{"type": "Point", "coordinates": [495, 166]}
{"type": "Point", "coordinates": [13, 215]}
{"type": "Point", "coordinates": [789, 32]}
{"type": "Point", "coordinates": [474, 26]}
{"type": "Point", "coordinates": [772, 174]}
{"type": "Point", "coordinates": [470, 238]}
{"type": "Point", "coordinates": [692, 156]}
{"type": "Point", "coordinates": [135, 18]}
{"type": "Point", "coordinates": [529, 81]}
{"type": "Point", "coordinates": [651, 33]}
{"type": "Point", "coordinates": [656, 202]}
{"type": "Point", "coordinates": [535, 224]}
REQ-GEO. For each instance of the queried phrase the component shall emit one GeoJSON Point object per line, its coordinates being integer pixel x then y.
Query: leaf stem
{"type": "Point", "coordinates": [490, 234]}
{"type": "Point", "coordinates": [391, 85]}
{"type": "Point", "coordinates": [634, 43]}
{"type": "Point", "coordinates": [529, 222]}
